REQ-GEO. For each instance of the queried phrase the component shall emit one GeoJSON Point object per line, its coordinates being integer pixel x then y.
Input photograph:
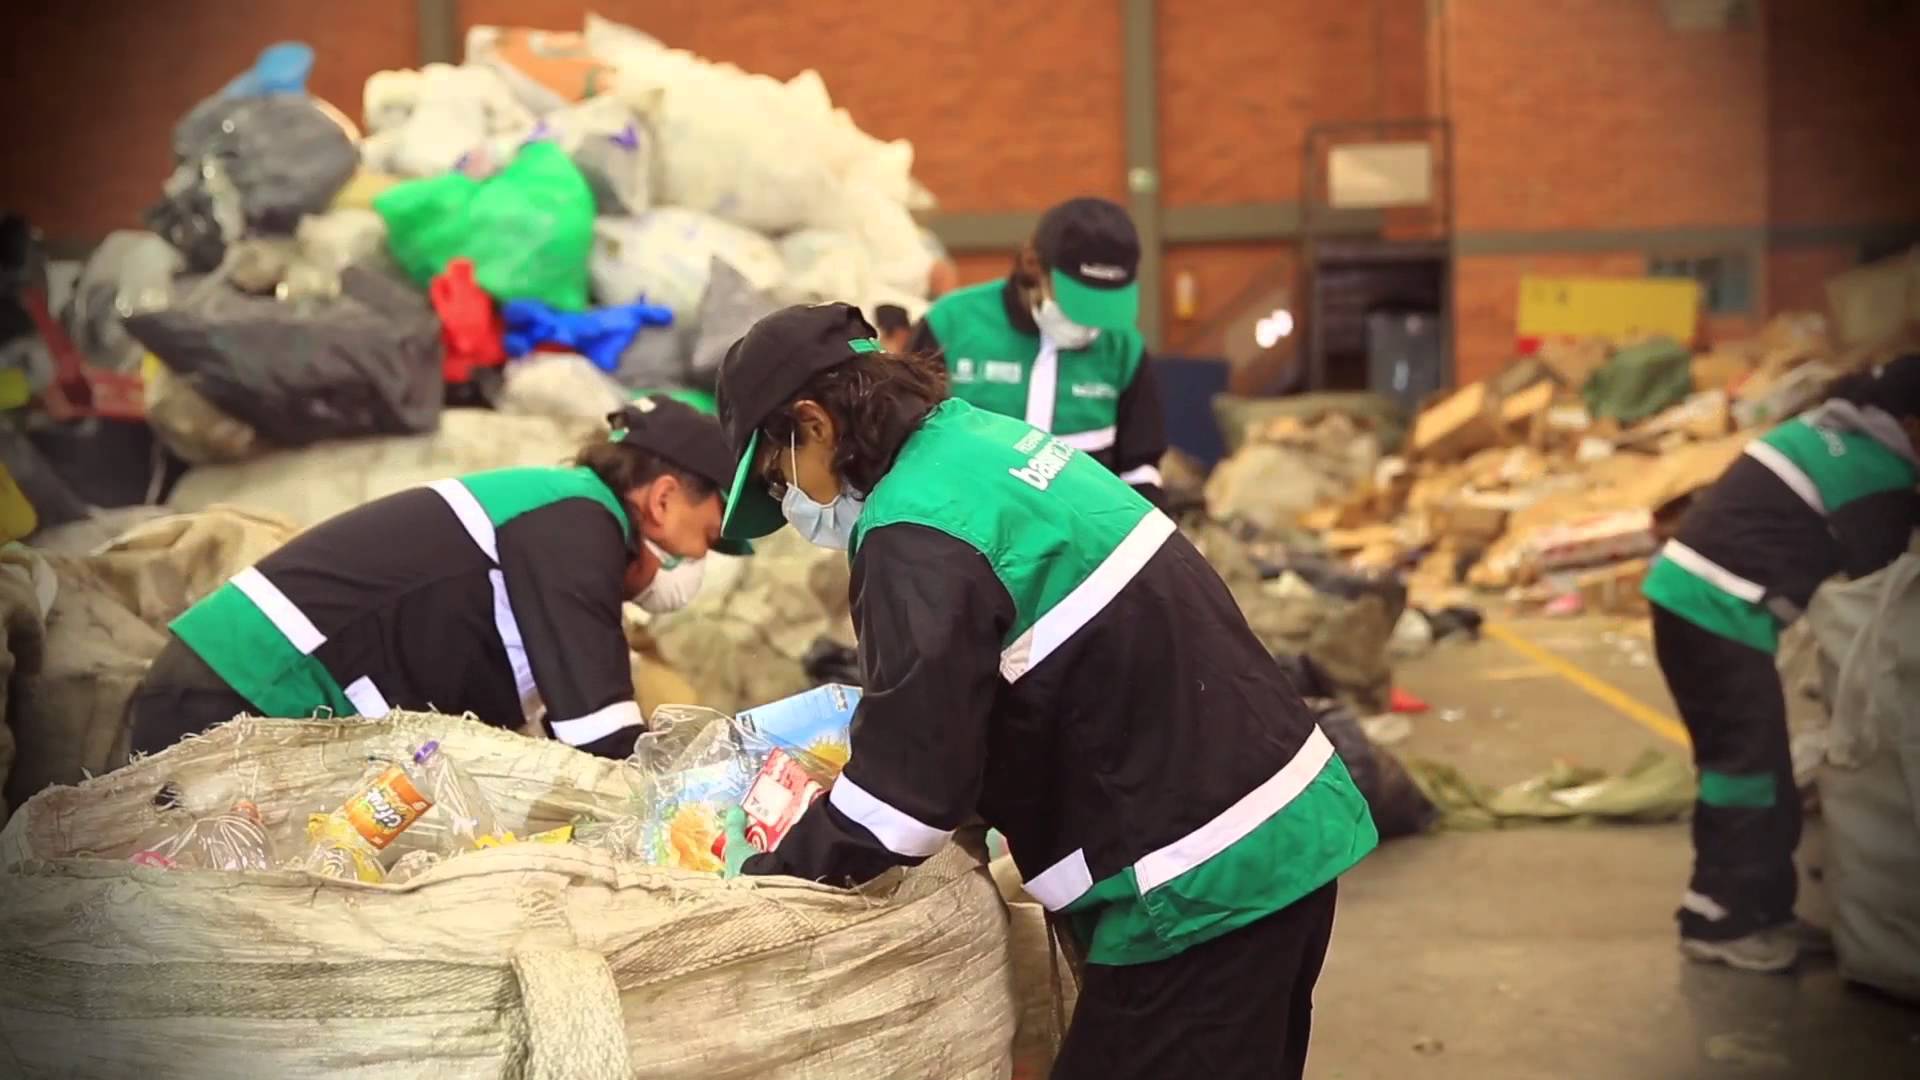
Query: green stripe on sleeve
{"type": "Point", "coordinates": [1753, 791]}
{"type": "Point", "coordinates": [251, 655]}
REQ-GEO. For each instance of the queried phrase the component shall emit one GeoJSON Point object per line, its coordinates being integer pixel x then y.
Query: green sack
{"type": "Point", "coordinates": [528, 229]}
{"type": "Point", "coordinates": [1640, 381]}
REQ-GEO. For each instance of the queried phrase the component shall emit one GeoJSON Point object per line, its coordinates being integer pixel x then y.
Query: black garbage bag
{"type": "Point", "coordinates": [828, 661]}
{"type": "Point", "coordinates": [249, 165]}
{"type": "Point", "coordinates": [1399, 807]}
{"type": "Point", "coordinates": [365, 363]}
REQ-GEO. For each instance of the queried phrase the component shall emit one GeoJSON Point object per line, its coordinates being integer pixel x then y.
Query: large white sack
{"type": "Point", "coordinates": [547, 962]}
{"type": "Point", "coordinates": [316, 482]}
{"type": "Point", "coordinates": [664, 257]}
{"type": "Point", "coordinates": [898, 257]}
{"type": "Point", "coordinates": [422, 123]}
{"type": "Point", "coordinates": [564, 386]}
{"type": "Point", "coordinates": [823, 265]}
{"type": "Point", "coordinates": [1868, 632]}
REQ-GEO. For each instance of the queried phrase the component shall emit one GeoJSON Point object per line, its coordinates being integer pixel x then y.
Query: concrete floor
{"type": "Point", "coordinates": [1550, 951]}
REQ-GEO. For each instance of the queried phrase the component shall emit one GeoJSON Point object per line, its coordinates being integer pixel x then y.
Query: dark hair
{"type": "Point", "coordinates": [876, 400]}
{"type": "Point", "coordinates": [623, 467]}
{"type": "Point", "coordinates": [891, 317]}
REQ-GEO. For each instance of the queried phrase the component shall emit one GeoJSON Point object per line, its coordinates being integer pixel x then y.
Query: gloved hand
{"type": "Point", "coordinates": [737, 851]}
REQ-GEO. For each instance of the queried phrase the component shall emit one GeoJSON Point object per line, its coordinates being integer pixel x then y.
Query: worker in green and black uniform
{"type": "Point", "coordinates": [1056, 344]}
{"type": "Point", "coordinates": [1831, 492]}
{"type": "Point", "coordinates": [497, 593]}
{"type": "Point", "coordinates": [1045, 653]}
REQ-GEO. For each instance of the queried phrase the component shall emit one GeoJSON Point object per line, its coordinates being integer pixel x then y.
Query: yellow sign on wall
{"type": "Point", "coordinates": [1613, 308]}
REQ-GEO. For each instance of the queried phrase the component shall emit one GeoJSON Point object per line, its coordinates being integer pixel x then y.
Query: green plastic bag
{"type": "Point", "coordinates": [1640, 381]}
{"type": "Point", "coordinates": [528, 228]}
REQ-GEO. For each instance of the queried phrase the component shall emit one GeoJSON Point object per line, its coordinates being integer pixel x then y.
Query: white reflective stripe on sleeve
{"type": "Point", "coordinates": [292, 623]}
{"type": "Point", "coordinates": [598, 724]}
{"type": "Point", "coordinates": [1088, 598]}
{"type": "Point", "coordinates": [1703, 905]}
{"type": "Point", "coordinates": [367, 698]}
{"type": "Point", "coordinates": [1089, 441]}
{"type": "Point", "coordinates": [1043, 381]}
{"type": "Point", "coordinates": [1790, 474]}
{"type": "Point", "coordinates": [1712, 573]}
{"type": "Point", "coordinates": [1145, 474]}
{"type": "Point", "coordinates": [902, 834]}
{"type": "Point", "coordinates": [1159, 867]}
{"type": "Point", "coordinates": [508, 628]}
{"type": "Point", "coordinates": [1063, 882]}
{"type": "Point", "coordinates": [473, 517]}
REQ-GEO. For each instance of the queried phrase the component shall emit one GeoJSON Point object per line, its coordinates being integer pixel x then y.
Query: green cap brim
{"type": "Point", "coordinates": [1103, 309]}
{"type": "Point", "coordinates": [751, 513]}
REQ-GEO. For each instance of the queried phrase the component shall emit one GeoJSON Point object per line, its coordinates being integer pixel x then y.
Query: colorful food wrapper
{"type": "Point", "coordinates": [780, 793]}
{"type": "Point", "coordinates": [817, 724]}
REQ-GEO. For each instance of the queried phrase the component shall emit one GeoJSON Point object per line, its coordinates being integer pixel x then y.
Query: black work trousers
{"type": "Point", "coordinates": [1746, 823]}
{"type": "Point", "coordinates": [1239, 1007]}
{"type": "Point", "coordinates": [180, 696]}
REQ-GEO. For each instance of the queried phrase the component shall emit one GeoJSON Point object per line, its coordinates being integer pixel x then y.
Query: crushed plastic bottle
{"type": "Point", "coordinates": [234, 839]}
{"type": "Point", "coordinates": [464, 809]}
{"type": "Point", "coordinates": [348, 842]}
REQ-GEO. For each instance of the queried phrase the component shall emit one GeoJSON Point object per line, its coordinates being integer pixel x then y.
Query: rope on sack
{"type": "Point", "coordinates": [574, 1027]}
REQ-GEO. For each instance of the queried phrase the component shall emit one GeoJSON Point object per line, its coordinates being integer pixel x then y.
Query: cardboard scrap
{"type": "Point", "coordinates": [1464, 422]}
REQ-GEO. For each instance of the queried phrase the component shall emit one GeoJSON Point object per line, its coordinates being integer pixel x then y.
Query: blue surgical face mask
{"type": "Point", "coordinates": [828, 526]}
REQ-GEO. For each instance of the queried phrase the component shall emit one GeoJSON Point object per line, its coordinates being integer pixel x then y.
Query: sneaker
{"type": "Point", "coordinates": [1766, 950]}
{"type": "Point", "coordinates": [1810, 939]}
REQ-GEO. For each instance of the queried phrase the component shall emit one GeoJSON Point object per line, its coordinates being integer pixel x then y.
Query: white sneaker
{"type": "Point", "coordinates": [1765, 951]}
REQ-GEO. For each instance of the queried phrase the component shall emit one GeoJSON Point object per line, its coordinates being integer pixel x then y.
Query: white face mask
{"type": "Point", "coordinates": [828, 526]}
{"type": "Point", "coordinates": [674, 585]}
{"type": "Point", "coordinates": [1062, 331]}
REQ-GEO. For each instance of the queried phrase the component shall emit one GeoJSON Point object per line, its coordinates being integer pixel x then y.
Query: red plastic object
{"type": "Point", "coordinates": [470, 327]}
{"type": "Point", "coordinates": [79, 389]}
{"type": "Point", "coordinates": [1400, 701]}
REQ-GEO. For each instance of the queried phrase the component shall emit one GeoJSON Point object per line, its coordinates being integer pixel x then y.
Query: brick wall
{"type": "Point", "coordinates": [1843, 86]}
{"type": "Point", "coordinates": [1487, 294]}
{"type": "Point", "coordinates": [1595, 114]}
{"type": "Point", "coordinates": [97, 89]}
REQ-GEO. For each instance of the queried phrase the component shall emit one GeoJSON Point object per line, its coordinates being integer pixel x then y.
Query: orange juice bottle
{"type": "Point", "coordinates": [348, 842]}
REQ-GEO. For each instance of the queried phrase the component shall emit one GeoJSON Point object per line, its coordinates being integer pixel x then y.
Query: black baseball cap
{"type": "Point", "coordinates": [1093, 255]}
{"type": "Point", "coordinates": [685, 436]}
{"type": "Point", "coordinates": [762, 372]}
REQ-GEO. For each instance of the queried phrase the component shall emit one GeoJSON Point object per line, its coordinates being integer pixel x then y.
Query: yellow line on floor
{"type": "Point", "coordinates": [1623, 703]}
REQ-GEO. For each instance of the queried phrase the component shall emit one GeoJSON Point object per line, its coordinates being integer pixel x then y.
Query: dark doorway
{"type": "Point", "coordinates": [1378, 318]}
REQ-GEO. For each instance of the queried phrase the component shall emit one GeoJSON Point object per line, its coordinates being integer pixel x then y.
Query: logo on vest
{"type": "Point", "coordinates": [1003, 371]}
{"type": "Point", "coordinates": [1042, 467]}
{"type": "Point", "coordinates": [1097, 391]}
{"type": "Point", "coordinates": [963, 369]}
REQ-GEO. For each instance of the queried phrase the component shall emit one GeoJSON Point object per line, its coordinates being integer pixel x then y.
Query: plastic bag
{"type": "Point", "coordinates": [347, 842]}
{"type": "Point", "coordinates": [423, 123]}
{"type": "Point", "coordinates": [267, 162]}
{"type": "Point", "coordinates": [688, 771]}
{"type": "Point", "coordinates": [547, 69]}
{"type": "Point", "coordinates": [559, 385]}
{"type": "Point", "coordinates": [824, 265]}
{"type": "Point", "coordinates": [729, 309]}
{"type": "Point", "coordinates": [665, 256]}
{"type": "Point", "coordinates": [656, 358]}
{"type": "Point", "coordinates": [130, 271]}
{"type": "Point", "coordinates": [528, 229]}
{"type": "Point", "coordinates": [611, 146]}
{"type": "Point", "coordinates": [367, 363]}
{"type": "Point", "coordinates": [195, 430]}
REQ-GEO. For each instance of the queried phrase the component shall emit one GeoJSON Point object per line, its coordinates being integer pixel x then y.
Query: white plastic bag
{"type": "Point", "coordinates": [559, 385]}
{"type": "Point", "coordinates": [613, 149]}
{"type": "Point", "coordinates": [824, 265]}
{"type": "Point", "coordinates": [424, 122]}
{"type": "Point", "coordinates": [663, 255]}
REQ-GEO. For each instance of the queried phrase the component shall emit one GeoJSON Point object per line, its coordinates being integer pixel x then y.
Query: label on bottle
{"type": "Point", "coordinates": [384, 808]}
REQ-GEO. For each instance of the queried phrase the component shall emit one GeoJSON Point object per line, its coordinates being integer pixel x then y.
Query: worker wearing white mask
{"type": "Point", "coordinates": [1055, 343]}
{"type": "Point", "coordinates": [496, 593]}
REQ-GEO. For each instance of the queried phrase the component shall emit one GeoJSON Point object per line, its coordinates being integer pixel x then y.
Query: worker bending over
{"type": "Point", "coordinates": [1046, 653]}
{"type": "Point", "coordinates": [497, 593]}
{"type": "Point", "coordinates": [1830, 492]}
{"type": "Point", "coordinates": [1055, 342]}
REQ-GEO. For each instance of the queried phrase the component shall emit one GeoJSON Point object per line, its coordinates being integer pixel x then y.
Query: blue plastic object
{"type": "Point", "coordinates": [281, 69]}
{"type": "Point", "coordinates": [600, 335]}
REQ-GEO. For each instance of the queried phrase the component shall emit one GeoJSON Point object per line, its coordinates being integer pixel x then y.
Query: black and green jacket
{"type": "Point", "coordinates": [1826, 493]}
{"type": "Point", "coordinates": [497, 594]}
{"type": "Point", "coordinates": [1044, 651]}
{"type": "Point", "coordinates": [1101, 399]}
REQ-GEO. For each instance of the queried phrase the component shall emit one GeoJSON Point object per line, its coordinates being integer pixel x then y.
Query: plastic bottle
{"type": "Point", "coordinates": [348, 842]}
{"type": "Point", "coordinates": [464, 808]}
{"type": "Point", "coordinates": [233, 839]}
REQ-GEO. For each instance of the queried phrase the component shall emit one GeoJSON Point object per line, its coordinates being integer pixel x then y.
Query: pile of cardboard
{"type": "Point", "coordinates": [1512, 484]}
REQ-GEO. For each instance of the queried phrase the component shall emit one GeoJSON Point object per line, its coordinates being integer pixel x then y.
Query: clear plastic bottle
{"type": "Point", "coordinates": [234, 839]}
{"type": "Point", "coordinates": [348, 842]}
{"type": "Point", "coordinates": [465, 810]}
